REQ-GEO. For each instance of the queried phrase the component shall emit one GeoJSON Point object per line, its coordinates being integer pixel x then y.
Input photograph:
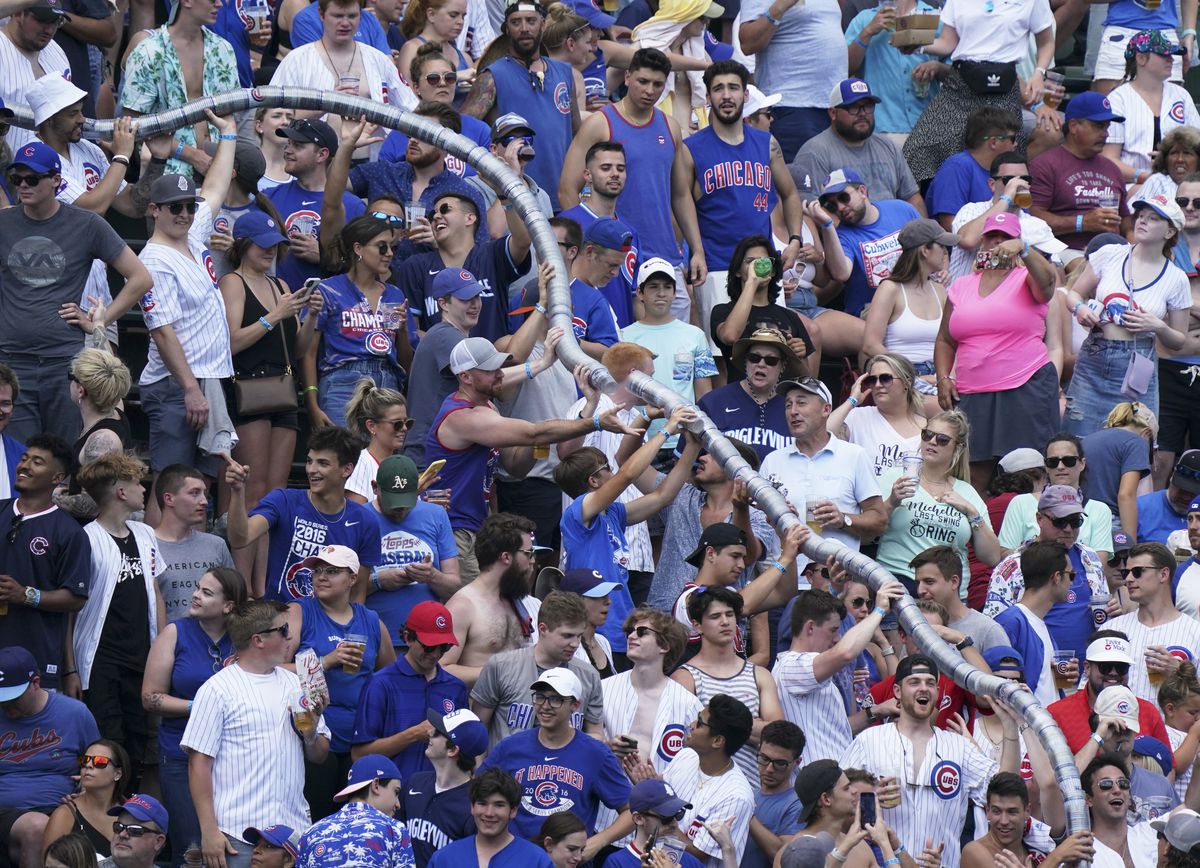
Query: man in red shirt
{"type": "Point", "coordinates": [1108, 660]}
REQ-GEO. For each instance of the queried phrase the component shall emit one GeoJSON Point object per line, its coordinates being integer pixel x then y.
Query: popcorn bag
{"type": "Point", "coordinates": [312, 678]}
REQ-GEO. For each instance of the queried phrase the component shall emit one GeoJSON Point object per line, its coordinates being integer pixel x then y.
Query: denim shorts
{"type": "Point", "coordinates": [337, 385]}
{"type": "Point", "coordinates": [1096, 382]}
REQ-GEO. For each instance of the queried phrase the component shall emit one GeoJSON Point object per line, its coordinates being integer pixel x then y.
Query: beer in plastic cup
{"type": "Point", "coordinates": [355, 640]}
{"type": "Point", "coordinates": [542, 452]}
{"type": "Point", "coordinates": [1062, 665]}
{"type": "Point", "coordinates": [413, 211]}
{"type": "Point", "coordinates": [892, 799]}
{"type": "Point", "coordinates": [1023, 199]}
{"type": "Point", "coordinates": [1108, 198]}
{"type": "Point", "coordinates": [889, 4]}
{"type": "Point", "coordinates": [303, 717]}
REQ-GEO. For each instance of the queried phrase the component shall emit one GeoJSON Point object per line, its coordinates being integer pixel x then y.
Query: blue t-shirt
{"type": "Point", "coordinates": [301, 213]}
{"type": "Point", "coordinates": [1135, 15]}
{"type": "Point", "coordinates": [492, 266]}
{"type": "Point", "coordinates": [1070, 623]}
{"type": "Point", "coordinates": [473, 128]}
{"type": "Point", "coordinates": [321, 633]}
{"type": "Point", "coordinates": [233, 25]}
{"type": "Point", "coordinates": [1111, 453]}
{"type": "Point", "coordinates": [619, 291]}
{"type": "Point", "coordinates": [601, 547]}
{"type": "Point", "coordinates": [874, 249]}
{"type": "Point", "coordinates": [40, 753]}
{"type": "Point", "coordinates": [958, 181]}
{"type": "Point", "coordinates": [299, 531]}
{"type": "Point", "coordinates": [424, 533]}
{"type": "Point", "coordinates": [518, 854]}
{"type": "Point", "coordinates": [628, 859]}
{"type": "Point", "coordinates": [398, 697]}
{"type": "Point", "coordinates": [592, 319]}
{"type": "Point", "coordinates": [307, 27]}
{"type": "Point", "coordinates": [434, 819]}
{"type": "Point", "coordinates": [197, 659]}
{"type": "Point", "coordinates": [576, 777]}
{"type": "Point", "coordinates": [351, 331]}
{"type": "Point", "coordinates": [736, 414]}
{"type": "Point", "coordinates": [780, 813]}
{"type": "Point", "coordinates": [889, 74]}
{"type": "Point", "coordinates": [1156, 520]}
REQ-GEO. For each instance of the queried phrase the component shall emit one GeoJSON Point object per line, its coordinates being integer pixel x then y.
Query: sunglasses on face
{"type": "Point", "coordinates": [1070, 574]}
{"type": "Point", "coordinates": [842, 198]}
{"type": "Point", "coordinates": [780, 765]}
{"type": "Point", "coordinates": [1136, 572]}
{"type": "Point", "coordinates": [133, 830]}
{"type": "Point", "coordinates": [508, 140]}
{"type": "Point", "coordinates": [384, 248]}
{"type": "Point", "coordinates": [934, 437]}
{"type": "Point", "coordinates": [1107, 784]}
{"type": "Point", "coordinates": [390, 219]}
{"type": "Point", "coordinates": [96, 762]}
{"type": "Point", "coordinates": [397, 424]}
{"type": "Point", "coordinates": [765, 113]}
{"type": "Point", "coordinates": [1121, 669]}
{"type": "Point", "coordinates": [440, 648]}
{"type": "Point", "coordinates": [676, 817]}
{"type": "Point", "coordinates": [1065, 461]}
{"type": "Point", "coordinates": [642, 631]}
{"type": "Point", "coordinates": [434, 78]}
{"type": "Point", "coordinates": [759, 359]}
{"type": "Point", "coordinates": [1005, 179]}
{"type": "Point", "coordinates": [177, 208]}
{"type": "Point", "coordinates": [283, 630]}
{"type": "Point", "coordinates": [1194, 204]}
{"type": "Point", "coordinates": [882, 379]}
{"type": "Point", "coordinates": [1075, 521]}
{"type": "Point", "coordinates": [23, 179]}
{"type": "Point", "coordinates": [859, 602]}
{"type": "Point", "coordinates": [860, 108]}
{"type": "Point", "coordinates": [445, 208]}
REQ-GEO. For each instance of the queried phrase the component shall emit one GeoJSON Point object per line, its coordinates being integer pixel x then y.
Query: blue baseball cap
{"type": "Point", "coordinates": [1148, 745]}
{"type": "Point", "coordinates": [595, 16]}
{"type": "Point", "coordinates": [260, 228]}
{"type": "Point", "coordinates": [280, 836]}
{"type": "Point", "coordinates": [840, 179]}
{"type": "Point", "coordinates": [609, 233]}
{"type": "Point", "coordinates": [457, 282]}
{"type": "Point", "coordinates": [655, 794]}
{"type": "Point", "coordinates": [997, 654]}
{"type": "Point", "coordinates": [1091, 106]}
{"type": "Point", "coordinates": [371, 767]}
{"type": "Point", "coordinates": [587, 583]}
{"type": "Point", "coordinates": [463, 728]}
{"type": "Point", "coordinates": [144, 808]}
{"type": "Point", "coordinates": [17, 670]}
{"type": "Point", "coordinates": [851, 91]}
{"type": "Point", "coordinates": [37, 156]}
{"type": "Point", "coordinates": [717, 50]}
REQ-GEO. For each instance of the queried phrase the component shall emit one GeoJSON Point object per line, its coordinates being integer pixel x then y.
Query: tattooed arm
{"type": "Point", "coordinates": [100, 443]}
{"type": "Point", "coordinates": [481, 101]}
{"type": "Point", "coordinates": [156, 685]}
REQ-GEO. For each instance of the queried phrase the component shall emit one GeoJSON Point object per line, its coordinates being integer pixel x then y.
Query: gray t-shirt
{"type": "Point", "coordinates": [186, 561]}
{"type": "Point", "coordinates": [429, 382]}
{"type": "Point", "coordinates": [504, 685]}
{"type": "Point", "coordinates": [879, 162]}
{"type": "Point", "coordinates": [986, 632]}
{"type": "Point", "coordinates": [802, 62]}
{"type": "Point", "coordinates": [44, 264]}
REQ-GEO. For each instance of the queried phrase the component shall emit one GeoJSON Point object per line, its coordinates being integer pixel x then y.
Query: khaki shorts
{"type": "Point", "coordinates": [468, 564]}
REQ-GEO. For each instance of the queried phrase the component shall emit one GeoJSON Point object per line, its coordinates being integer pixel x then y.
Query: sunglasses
{"type": "Point", "coordinates": [1065, 461]}
{"type": "Point", "coordinates": [553, 702]}
{"type": "Point", "coordinates": [765, 113]}
{"type": "Point", "coordinates": [508, 140]}
{"type": "Point", "coordinates": [1107, 784]}
{"type": "Point", "coordinates": [21, 179]}
{"type": "Point", "coordinates": [434, 78]}
{"type": "Point", "coordinates": [390, 219]}
{"type": "Point", "coordinates": [440, 648]}
{"type": "Point", "coordinates": [642, 631]}
{"type": "Point", "coordinates": [177, 208]}
{"type": "Point", "coordinates": [1070, 574]}
{"type": "Point", "coordinates": [1136, 572]}
{"type": "Point", "coordinates": [1121, 669]}
{"type": "Point", "coordinates": [325, 571]}
{"type": "Point", "coordinates": [882, 379]}
{"type": "Point", "coordinates": [445, 208]}
{"type": "Point", "coordinates": [934, 437]}
{"type": "Point", "coordinates": [283, 630]}
{"type": "Point", "coordinates": [842, 198]}
{"type": "Point", "coordinates": [96, 762]}
{"type": "Point", "coordinates": [779, 765]}
{"type": "Point", "coordinates": [15, 529]}
{"type": "Point", "coordinates": [676, 817]}
{"type": "Point", "coordinates": [397, 424]}
{"type": "Point", "coordinates": [1075, 521]}
{"type": "Point", "coordinates": [384, 248]}
{"type": "Point", "coordinates": [1005, 179]}
{"type": "Point", "coordinates": [858, 602]}
{"type": "Point", "coordinates": [1185, 203]}
{"type": "Point", "coordinates": [759, 359]}
{"type": "Point", "coordinates": [133, 830]}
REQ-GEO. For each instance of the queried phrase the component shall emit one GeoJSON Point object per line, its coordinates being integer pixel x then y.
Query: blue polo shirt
{"type": "Point", "coordinates": [398, 697]}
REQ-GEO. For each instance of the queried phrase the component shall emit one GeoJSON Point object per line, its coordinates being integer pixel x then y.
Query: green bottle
{"type": "Point", "coordinates": [763, 266]}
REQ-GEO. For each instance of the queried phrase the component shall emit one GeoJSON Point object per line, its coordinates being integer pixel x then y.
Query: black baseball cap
{"type": "Point", "coordinates": [913, 664]}
{"type": "Point", "coordinates": [716, 536]}
{"type": "Point", "coordinates": [813, 781]}
{"type": "Point", "coordinates": [311, 130]}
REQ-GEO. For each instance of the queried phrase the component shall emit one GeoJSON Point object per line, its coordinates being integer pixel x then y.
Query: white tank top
{"type": "Point", "coordinates": [910, 336]}
{"type": "Point", "coordinates": [883, 445]}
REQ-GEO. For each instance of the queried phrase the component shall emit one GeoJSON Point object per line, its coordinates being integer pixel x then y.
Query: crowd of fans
{"type": "Point", "coordinates": [948, 307]}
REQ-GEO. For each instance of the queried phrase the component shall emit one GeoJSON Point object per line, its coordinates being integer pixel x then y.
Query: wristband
{"type": "Point", "coordinates": [858, 41]}
{"type": "Point", "coordinates": [528, 371]}
{"type": "Point", "coordinates": [1189, 31]}
{"type": "Point", "coordinates": [889, 862]}
{"type": "Point", "coordinates": [836, 856]}
{"type": "Point", "coordinates": [1041, 70]}
{"type": "Point", "coordinates": [375, 579]}
{"type": "Point", "coordinates": [888, 651]}
{"type": "Point", "coordinates": [596, 421]}
{"type": "Point", "coordinates": [899, 849]}
{"type": "Point", "coordinates": [645, 415]}
{"type": "Point", "coordinates": [539, 307]}
{"type": "Point", "coordinates": [777, 565]}
{"type": "Point", "coordinates": [178, 151]}
{"type": "Point", "coordinates": [1097, 738]}
{"type": "Point", "coordinates": [68, 672]}
{"type": "Point", "coordinates": [1004, 197]}
{"type": "Point", "coordinates": [775, 22]}
{"type": "Point", "coordinates": [828, 224]}
{"type": "Point", "coordinates": [1140, 177]}
{"type": "Point", "coordinates": [121, 159]}
{"type": "Point", "coordinates": [1078, 222]}
{"type": "Point", "coordinates": [37, 597]}
{"type": "Point", "coordinates": [799, 238]}
{"type": "Point", "coordinates": [311, 389]}
{"type": "Point", "coordinates": [976, 521]}
{"type": "Point", "coordinates": [265, 323]}
{"type": "Point", "coordinates": [1025, 252]}
{"type": "Point", "coordinates": [228, 137]}
{"type": "Point", "coordinates": [852, 401]}
{"type": "Point", "coordinates": [880, 611]}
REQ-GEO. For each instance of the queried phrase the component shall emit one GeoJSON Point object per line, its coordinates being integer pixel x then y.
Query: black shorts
{"type": "Point", "coordinates": [9, 818]}
{"type": "Point", "coordinates": [114, 696]}
{"type": "Point", "coordinates": [1178, 406]}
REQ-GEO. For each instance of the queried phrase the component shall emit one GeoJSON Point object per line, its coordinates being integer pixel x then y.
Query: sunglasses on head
{"type": "Point", "coordinates": [760, 359]}
{"type": "Point", "coordinates": [24, 179]}
{"type": "Point", "coordinates": [390, 219]}
{"type": "Point", "coordinates": [397, 424]}
{"type": "Point", "coordinates": [842, 198]}
{"type": "Point", "coordinates": [1075, 521]}
{"type": "Point", "coordinates": [1107, 784]}
{"type": "Point", "coordinates": [177, 208]}
{"type": "Point", "coordinates": [870, 380]}
{"type": "Point", "coordinates": [1065, 461]}
{"type": "Point", "coordinates": [1005, 179]}
{"type": "Point", "coordinates": [96, 762]}
{"type": "Point", "coordinates": [934, 437]}
{"type": "Point", "coordinates": [1136, 572]}
{"type": "Point", "coordinates": [435, 78]}
{"type": "Point", "coordinates": [1186, 203]}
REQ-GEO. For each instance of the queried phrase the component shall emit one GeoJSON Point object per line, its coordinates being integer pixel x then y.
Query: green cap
{"type": "Point", "coordinates": [397, 479]}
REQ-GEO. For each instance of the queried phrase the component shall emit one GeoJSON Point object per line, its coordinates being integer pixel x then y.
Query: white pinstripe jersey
{"type": "Point", "coordinates": [814, 706]}
{"type": "Point", "coordinates": [1136, 133]}
{"type": "Point", "coordinates": [719, 797]}
{"type": "Point", "coordinates": [242, 721]}
{"type": "Point", "coordinates": [16, 75]}
{"type": "Point", "coordinates": [185, 297]}
{"type": "Point", "coordinates": [1180, 637]}
{"type": "Point", "coordinates": [934, 798]}
{"type": "Point", "coordinates": [1182, 778]}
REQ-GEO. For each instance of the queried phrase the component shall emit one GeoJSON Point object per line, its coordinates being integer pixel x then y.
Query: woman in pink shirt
{"type": "Point", "coordinates": [992, 338]}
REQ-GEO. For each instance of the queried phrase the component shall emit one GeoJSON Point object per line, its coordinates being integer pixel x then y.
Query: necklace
{"type": "Point", "coordinates": [329, 57]}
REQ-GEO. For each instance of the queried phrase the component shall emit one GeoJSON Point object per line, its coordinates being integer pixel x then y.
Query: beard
{"type": "Point", "coordinates": [514, 583]}
{"type": "Point", "coordinates": [852, 134]}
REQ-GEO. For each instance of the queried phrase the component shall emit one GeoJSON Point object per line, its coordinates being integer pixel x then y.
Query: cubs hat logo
{"type": "Point", "coordinates": [1123, 707]}
{"type": "Point", "coordinates": [946, 779]}
{"type": "Point", "coordinates": [467, 276]}
{"type": "Point", "coordinates": [440, 622]}
{"type": "Point", "coordinates": [858, 87]}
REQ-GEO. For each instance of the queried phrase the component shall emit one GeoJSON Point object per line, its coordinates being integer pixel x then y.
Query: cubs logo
{"type": "Point", "coordinates": [1176, 112]}
{"type": "Point", "coordinates": [246, 20]}
{"type": "Point", "coordinates": [210, 267]}
{"type": "Point", "coordinates": [440, 622]}
{"type": "Point", "coordinates": [858, 87]}
{"type": "Point", "coordinates": [1071, 597]}
{"type": "Point", "coordinates": [546, 793]}
{"type": "Point", "coordinates": [91, 175]}
{"type": "Point", "coordinates": [256, 94]}
{"type": "Point", "coordinates": [466, 276]}
{"type": "Point", "coordinates": [944, 702]}
{"type": "Point", "coordinates": [579, 327]}
{"type": "Point", "coordinates": [379, 343]}
{"type": "Point", "coordinates": [674, 737]}
{"type": "Point", "coordinates": [1099, 616]}
{"type": "Point", "coordinates": [1180, 653]}
{"type": "Point", "coordinates": [1123, 707]}
{"type": "Point", "coordinates": [39, 545]}
{"type": "Point", "coordinates": [221, 224]}
{"type": "Point", "coordinates": [298, 581]}
{"type": "Point", "coordinates": [448, 705]}
{"type": "Point", "coordinates": [562, 98]}
{"type": "Point", "coordinates": [946, 779]}
{"type": "Point", "coordinates": [629, 267]}
{"type": "Point", "coordinates": [662, 140]}
{"type": "Point", "coordinates": [148, 303]}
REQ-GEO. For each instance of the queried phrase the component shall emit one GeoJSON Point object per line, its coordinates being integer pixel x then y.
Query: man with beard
{"type": "Point", "coordinates": [495, 612]}
{"type": "Point", "coordinates": [28, 52]}
{"type": "Point", "coordinates": [501, 695]}
{"type": "Point", "coordinates": [862, 250]}
{"type": "Point", "coordinates": [393, 708]}
{"type": "Point", "coordinates": [928, 776]}
{"type": "Point", "coordinates": [1186, 581]}
{"type": "Point", "coordinates": [850, 140]}
{"type": "Point", "coordinates": [537, 88]}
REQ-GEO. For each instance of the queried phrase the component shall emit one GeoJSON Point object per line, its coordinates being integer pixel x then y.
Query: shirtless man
{"type": "Point", "coordinates": [1011, 827]}
{"type": "Point", "coordinates": [501, 696]}
{"type": "Point", "coordinates": [494, 613]}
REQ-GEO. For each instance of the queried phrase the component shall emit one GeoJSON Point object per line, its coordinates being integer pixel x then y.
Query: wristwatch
{"type": "Point", "coordinates": [32, 597]}
{"type": "Point", "coordinates": [846, 521]}
{"type": "Point", "coordinates": [967, 642]}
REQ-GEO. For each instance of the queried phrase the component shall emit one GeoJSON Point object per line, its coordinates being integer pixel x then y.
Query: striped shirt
{"type": "Point", "coordinates": [16, 75]}
{"type": "Point", "coordinates": [242, 721]}
{"type": "Point", "coordinates": [1182, 778]}
{"type": "Point", "coordinates": [1181, 638]}
{"type": "Point", "coordinates": [744, 688]}
{"type": "Point", "coordinates": [814, 706]}
{"type": "Point", "coordinates": [712, 797]}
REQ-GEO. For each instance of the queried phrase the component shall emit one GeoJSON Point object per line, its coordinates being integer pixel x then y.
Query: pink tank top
{"type": "Point", "coordinates": [1000, 338]}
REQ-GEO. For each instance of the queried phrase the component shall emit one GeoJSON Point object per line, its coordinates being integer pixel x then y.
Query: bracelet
{"type": "Point", "coordinates": [852, 401]}
{"type": "Point", "coordinates": [944, 377]}
{"type": "Point", "coordinates": [775, 22]}
{"type": "Point", "coordinates": [1040, 69]}
{"type": "Point", "coordinates": [899, 849]}
{"type": "Point", "coordinates": [265, 323]}
{"type": "Point", "coordinates": [1004, 197]}
{"type": "Point", "coordinates": [528, 371]}
{"type": "Point", "coordinates": [1025, 252]}
{"type": "Point", "coordinates": [375, 579]}
{"type": "Point", "coordinates": [1140, 177]}
{"type": "Point", "coordinates": [880, 611]}
{"type": "Point", "coordinates": [596, 421]}
{"type": "Point", "coordinates": [121, 159]}
{"type": "Point", "coordinates": [645, 415]}
{"type": "Point", "coordinates": [228, 137]}
{"type": "Point", "coordinates": [539, 307]}
{"type": "Point", "coordinates": [827, 224]}
{"type": "Point", "coordinates": [1078, 222]}
{"type": "Point", "coordinates": [68, 672]}
{"type": "Point", "coordinates": [888, 652]}
{"type": "Point", "coordinates": [37, 598]}
{"type": "Point", "coordinates": [893, 861]}
{"type": "Point", "coordinates": [178, 151]}
{"type": "Point", "coordinates": [1188, 31]}
{"type": "Point", "coordinates": [836, 856]}
{"type": "Point", "coordinates": [1097, 738]}
{"type": "Point", "coordinates": [858, 41]}
{"type": "Point", "coordinates": [976, 521]}
{"type": "Point", "coordinates": [799, 238]}
{"type": "Point", "coordinates": [777, 565]}
{"type": "Point", "coordinates": [311, 389]}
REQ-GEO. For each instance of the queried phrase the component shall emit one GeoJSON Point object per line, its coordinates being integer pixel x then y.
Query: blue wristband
{"type": "Point", "coordinates": [852, 401]}
{"type": "Point", "coordinates": [1078, 222]}
{"type": "Point", "coordinates": [596, 421]}
{"type": "Point", "coordinates": [777, 565]}
{"type": "Point", "coordinates": [858, 41]}
{"type": "Point", "coordinates": [229, 137]}
{"type": "Point", "coordinates": [189, 711]}
{"type": "Point", "coordinates": [375, 579]}
{"type": "Point", "coordinates": [528, 371]}
{"type": "Point", "coordinates": [878, 610]}
{"type": "Point", "coordinates": [889, 862]}
{"type": "Point", "coordinates": [1004, 197]}
{"type": "Point", "coordinates": [178, 151]}
{"type": "Point", "coordinates": [262, 321]}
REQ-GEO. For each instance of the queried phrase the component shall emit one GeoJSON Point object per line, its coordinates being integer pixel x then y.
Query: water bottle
{"type": "Point", "coordinates": [674, 849]}
{"type": "Point", "coordinates": [193, 855]}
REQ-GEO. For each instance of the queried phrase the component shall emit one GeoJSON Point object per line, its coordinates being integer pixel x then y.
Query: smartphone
{"type": "Point", "coordinates": [866, 809]}
{"type": "Point", "coordinates": [309, 287]}
{"type": "Point", "coordinates": [433, 469]}
{"type": "Point", "coordinates": [632, 742]}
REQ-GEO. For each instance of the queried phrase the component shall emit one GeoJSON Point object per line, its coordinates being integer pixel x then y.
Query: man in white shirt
{"type": "Point", "coordinates": [1105, 783]}
{"type": "Point", "coordinates": [1163, 635]}
{"type": "Point", "coordinates": [1187, 583]}
{"type": "Point", "coordinates": [28, 52]}
{"type": "Point", "coordinates": [235, 782]}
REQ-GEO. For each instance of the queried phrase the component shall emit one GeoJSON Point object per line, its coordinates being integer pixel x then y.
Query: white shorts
{"type": "Point", "coordinates": [709, 294]}
{"type": "Point", "coordinates": [1110, 61]}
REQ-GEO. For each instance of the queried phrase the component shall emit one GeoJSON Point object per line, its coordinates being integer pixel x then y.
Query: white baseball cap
{"type": "Point", "coordinates": [336, 556]}
{"type": "Point", "coordinates": [561, 680]}
{"type": "Point", "coordinates": [756, 101]}
{"type": "Point", "coordinates": [652, 266]}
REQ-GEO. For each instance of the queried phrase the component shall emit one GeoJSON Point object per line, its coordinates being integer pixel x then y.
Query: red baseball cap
{"type": "Point", "coordinates": [432, 623]}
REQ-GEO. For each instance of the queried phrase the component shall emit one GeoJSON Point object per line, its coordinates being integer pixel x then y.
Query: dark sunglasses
{"type": "Point", "coordinates": [1108, 668]}
{"type": "Point", "coordinates": [934, 437]}
{"type": "Point", "coordinates": [397, 424]}
{"type": "Point", "coordinates": [1107, 784]}
{"type": "Point", "coordinates": [777, 764]}
{"type": "Point", "coordinates": [882, 379]}
{"type": "Point", "coordinates": [1070, 574]}
{"type": "Point", "coordinates": [508, 140]}
{"type": "Point", "coordinates": [445, 208]}
{"type": "Point", "coordinates": [1136, 572]}
{"type": "Point", "coordinates": [177, 208]}
{"type": "Point", "coordinates": [1005, 179]}
{"type": "Point", "coordinates": [15, 529]}
{"type": "Point", "coordinates": [133, 830]}
{"type": "Point", "coordinates": [1065, 461]}
{"type": "Point", "coordinates": [22, 179]}
{"type": "Point", "coordinates": [642, 631]}
{"type": "Point", "coordinates": [765, 113]}
{"type": "Point", "coordinates": [440, 648]}
{"type": "Point", "coordinates": [433, 78]}
{"type": "Point", "coordinates": [1183, 202]}
{"type": "Point", "coordinates": [1075, 521]}
{"type": "Point", "coordinates": [758, 358]}
{"type": "Point", "coordinates": [284, 630]}
{"type": "Point", "coordinates": [858, 602]}
{"type": "Point", "coordinates": [96, 762]}
{"type": "Point", "coordinates": [676, 817]}
{"type": "Point", "coordinates": [842, 198]}
{"type": "Point", "coordinates": [384, 248]}
{"type": "Point", "coordinates": [390, 219]}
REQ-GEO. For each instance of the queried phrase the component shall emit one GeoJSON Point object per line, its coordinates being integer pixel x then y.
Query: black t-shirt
{"type": "Point", "coordinates": [773, 315]}
{"type": "Point", "coordinates": [125, 637]}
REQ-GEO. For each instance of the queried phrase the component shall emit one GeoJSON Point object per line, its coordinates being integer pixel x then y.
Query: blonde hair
{"type": "Point", "coordinates": [103, 376]}
{"type": "Point", "coordinates": [99, 477]}
{"type": "Point", "coordinates": [1132, 415]}
{"type": "Point", "coordinates": [369, 402]}
{"type": "Point", "coordinates": [960, 467]}
{"type": "Point", "coordinates": [903, 369]}
{"type": "Point", "coordinates": [561, 24]}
